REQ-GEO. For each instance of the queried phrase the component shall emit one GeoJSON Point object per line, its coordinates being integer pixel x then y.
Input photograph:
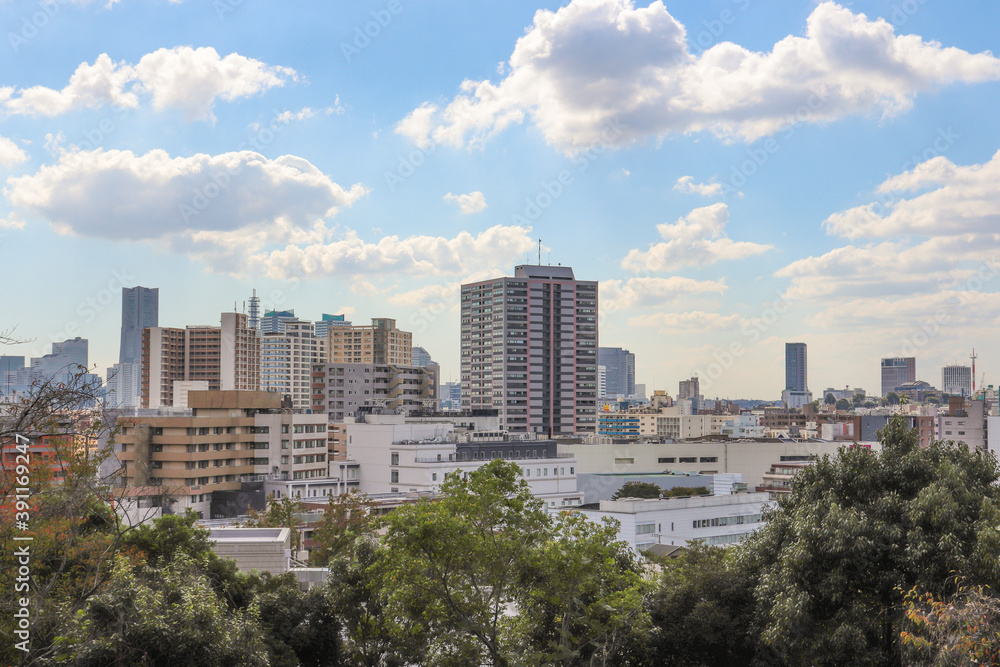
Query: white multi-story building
{"type": "Point", "coordinates": [957, 380]}
{"type": "Point", "coordinates": [286, 360]}
{"type": "Point", "coordinates": [529, 350]}
{"type": "Point", "coordinates": [715, 520]}
{"type": "Point", "coordinates": [397, 456]}
{"type": "Point", "coordinates": [964, 425]}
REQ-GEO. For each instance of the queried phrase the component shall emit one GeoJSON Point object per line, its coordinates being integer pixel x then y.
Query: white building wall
{"type": "Point", "coordinates": [717, 520]}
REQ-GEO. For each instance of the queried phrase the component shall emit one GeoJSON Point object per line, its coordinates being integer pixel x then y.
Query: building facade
{"type": "Point", "coordinates": [379, 343]}
{"type": "Point", "coordinates": [796, 376]}
{"type": "Point", "coordinates": [619, 371]}
{"type": "Point", "coordinates": [287, 358]}
{"type": "Point", "coordinates": [529, 350]}
{"type": "Point", "coordinates": [897, 371]}
{"type": "Point", "coordinates": [957, 380]}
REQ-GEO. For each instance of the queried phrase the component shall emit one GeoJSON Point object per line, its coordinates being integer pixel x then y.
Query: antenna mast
{"type": "Point", "coordinates": [973, 357]}
{"type": "Point", "coordinates": [539, 252]}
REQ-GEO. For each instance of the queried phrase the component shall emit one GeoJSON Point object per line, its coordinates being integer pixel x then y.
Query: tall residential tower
{"type": "Point", "coordinates": [529, 350]}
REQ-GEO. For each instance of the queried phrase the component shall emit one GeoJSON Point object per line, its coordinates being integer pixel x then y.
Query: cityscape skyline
{"type": "Point", "coordinates": [725, 228]}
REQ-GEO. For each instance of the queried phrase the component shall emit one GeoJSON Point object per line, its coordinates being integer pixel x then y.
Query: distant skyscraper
{"type": "Point", "coordinates": [421, 357]}
{"type": "Point", "coordinates": [688, 389]}
{"type": "Point", "coordinates": [956, 380]}
{"type": "Point", "coordinates": [796, 377]}
{"type": "Point", "coordinates": [322, 327]}
{"type": "Point", "coordinates": [529, 350]}
{"type": "Point", "coordinates": [140, 310]}
{"type": "Point", "coordinates": [896, 371]}
{"type": "Point", "coordinates": [619, 374]}
{"type": "Point", "coordinates": [274, 321]}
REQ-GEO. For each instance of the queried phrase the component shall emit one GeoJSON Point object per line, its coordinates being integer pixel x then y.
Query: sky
{"type": "Point", "coordinates": [737, 174]}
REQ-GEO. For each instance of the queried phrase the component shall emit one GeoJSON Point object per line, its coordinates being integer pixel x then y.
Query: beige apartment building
{"type": "Point", "coordinates": [379, 343]}
{"type": "Point", "coordinates": [220, 358]}
{"type": "Point", "coordinates": [230, 437]}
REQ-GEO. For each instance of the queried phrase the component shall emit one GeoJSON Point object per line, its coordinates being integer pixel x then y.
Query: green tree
{"type": "Point", "coordinates": [300, 628]}
{"type": "Point", "coordinates": [279, 513]}
{"type": "Point", "coordinates": [346, 518]}
{"type": "Point", "coordinates": [637, 490]}
{"type": "Point", "coordinates": [830, 400]}
{"type": "Point", "coordinates": [858, 400]}
{"type": "Point", "coordinates": [163, 616]}
{"type": "Point", "coordinates": [829, 564]}
{"type": "Point", "coordinates": [686, 491]}
{"type": "Point", "coordinates": [843, 404]}
{"type": "Point", "coordinates": [892, 398]}
{"type": "Point", "coordinates": [584, 597]}
{"type": "Point", "coordinates": [702, 611]}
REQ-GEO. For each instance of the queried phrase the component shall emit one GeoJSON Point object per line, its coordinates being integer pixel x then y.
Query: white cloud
{"type": "Point", "coordinates": [693, 321]}
{"type": "Point", "coordinates": [687, 185]}
{"type": "Point", "coordinates": [948, 199]}
{"type": "Point", "coordinates": [182, 78]}
{"type": "Point", "coordinates": [217, 205]}
{"type": "Point", "coordinates": [696, 239]}
{"type": "Point", "coordinates": [592, 62]}
{"type": "Point", "coordinates": [652, 291]}
{"type": "Point", "coordinates": [424, 255]}
{"type": "Point", "coordinates": [11, 153]}
{"type": "Point", "coordinates": [474, 202]}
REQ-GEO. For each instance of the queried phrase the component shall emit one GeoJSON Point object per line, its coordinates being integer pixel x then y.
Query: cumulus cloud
{"type": "Point", "coordinates": [594, 62]}
{"type": "Point", "coordinates": [946, 199]}
{"type": "Point", "coordinates": [181, 78]}
{"type": "Point", "coordinates": [203, 204]}
{"type": "Point", "coordinates": [474, 202]}
{"type": "Point", "coordinates": [653, 291]}
{"type": "Point", "coordinates": [687, 185]}
{"type": "Point", "coordinates": [693, 321]}
{"type": "Point", "coordinates": [11, 153]}
{"type": "Point", "coordinates": [423, 255]}
{"type": "Point", "coordinates": [694, 240]}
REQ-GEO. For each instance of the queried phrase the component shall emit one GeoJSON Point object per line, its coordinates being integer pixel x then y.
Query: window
{"type": "Point", "coordinates": [709, 459]}
{"type": "Point", "coordinates": [395, 477]}
{"type": "Point", "coordinates": [434, 477]}
{"type": "Point", "coordinates": [689, 459]}
{"type": "Point", "coordinates": [667, 459]}
{"type": "Point", "coordinates": [624, 460]}
{"type": "Point", "coordinates": [395, 458]}
{"type": "Point", "coordinates": [645, 529]}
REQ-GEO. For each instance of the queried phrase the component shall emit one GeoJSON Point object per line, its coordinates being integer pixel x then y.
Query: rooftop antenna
{"type": "Point", "coordinates": [539, 252]}
{"type": "Point", "coordinates": [973, 357]}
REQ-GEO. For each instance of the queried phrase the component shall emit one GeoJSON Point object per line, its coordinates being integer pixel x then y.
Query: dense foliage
{"type": "Point", "coordinates": [875, 558]}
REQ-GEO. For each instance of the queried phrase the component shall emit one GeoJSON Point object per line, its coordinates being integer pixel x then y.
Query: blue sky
{"type": "Point", "coordinates": [736, 173]}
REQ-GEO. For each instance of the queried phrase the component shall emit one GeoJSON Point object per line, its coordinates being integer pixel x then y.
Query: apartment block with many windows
{"type": "Point", "coordinates": [378, 343]}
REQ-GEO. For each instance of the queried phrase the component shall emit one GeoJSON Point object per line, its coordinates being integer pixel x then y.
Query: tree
{"type": "Point", "coordinates": [702, 611]}
{"type": "Point", "coordinates": [830, 400]}
{"type": "Point", "coordinates": [162, 616]}
{"type": "Point", "coordinates": [458, 559]}
{"type": "Point", "coordinates": [843, 404]}
{"type": "Point", "coordinates": [829, 564]}
{"type": "Point", "coordinates": [963, 629]}
{"type": "Point", "coordinates": [346, 518]}
{"type": "Point", "coordinates": [583, 598]}
{"type": "Point", "coordinates": [892, 398]}
{"type": "Point", "coordinates": [858, 400]}
{"type": "Point", "coordinates": [494, 579]}
{"type": "Point", "coordinates": [281, 513]}
{"type": "Point", "coordinates": [637, 490]}
{"type": "Point", "coordinates": [686, 491]}
{"type": "Point", "coordinates": [301, 628]}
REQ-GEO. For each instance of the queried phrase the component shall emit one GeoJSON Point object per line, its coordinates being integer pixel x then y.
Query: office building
{"type": "Point", "coordinates": [226, 357]}
{"type": "Point", "coordinates": [286, 360]}
{"type": "Point", "coordinates": [274, 321]}
{"type": "Point", "coordinates": [322, 327]}
{"type": "Point", "coordinates": [529, 350]}
{"type": "Point", "coordinates": [957, 380]}
{"type": "Point", "coordinates": [378, 343]}
{"type": "Point", "coordinates": [422, 357]}
{"type": "Point", "coordinates": [67, 364]}
{"type": "Point", "coordinates": [897, 371]}
{"type": "Point", "coordinates": [619, 371]}
{"type": "Point", "coordinates": [796, 379]}
{"type": "Point", "coordinates": [229, 438]}
{"type": "Point", "coordinates": [140, 310]}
